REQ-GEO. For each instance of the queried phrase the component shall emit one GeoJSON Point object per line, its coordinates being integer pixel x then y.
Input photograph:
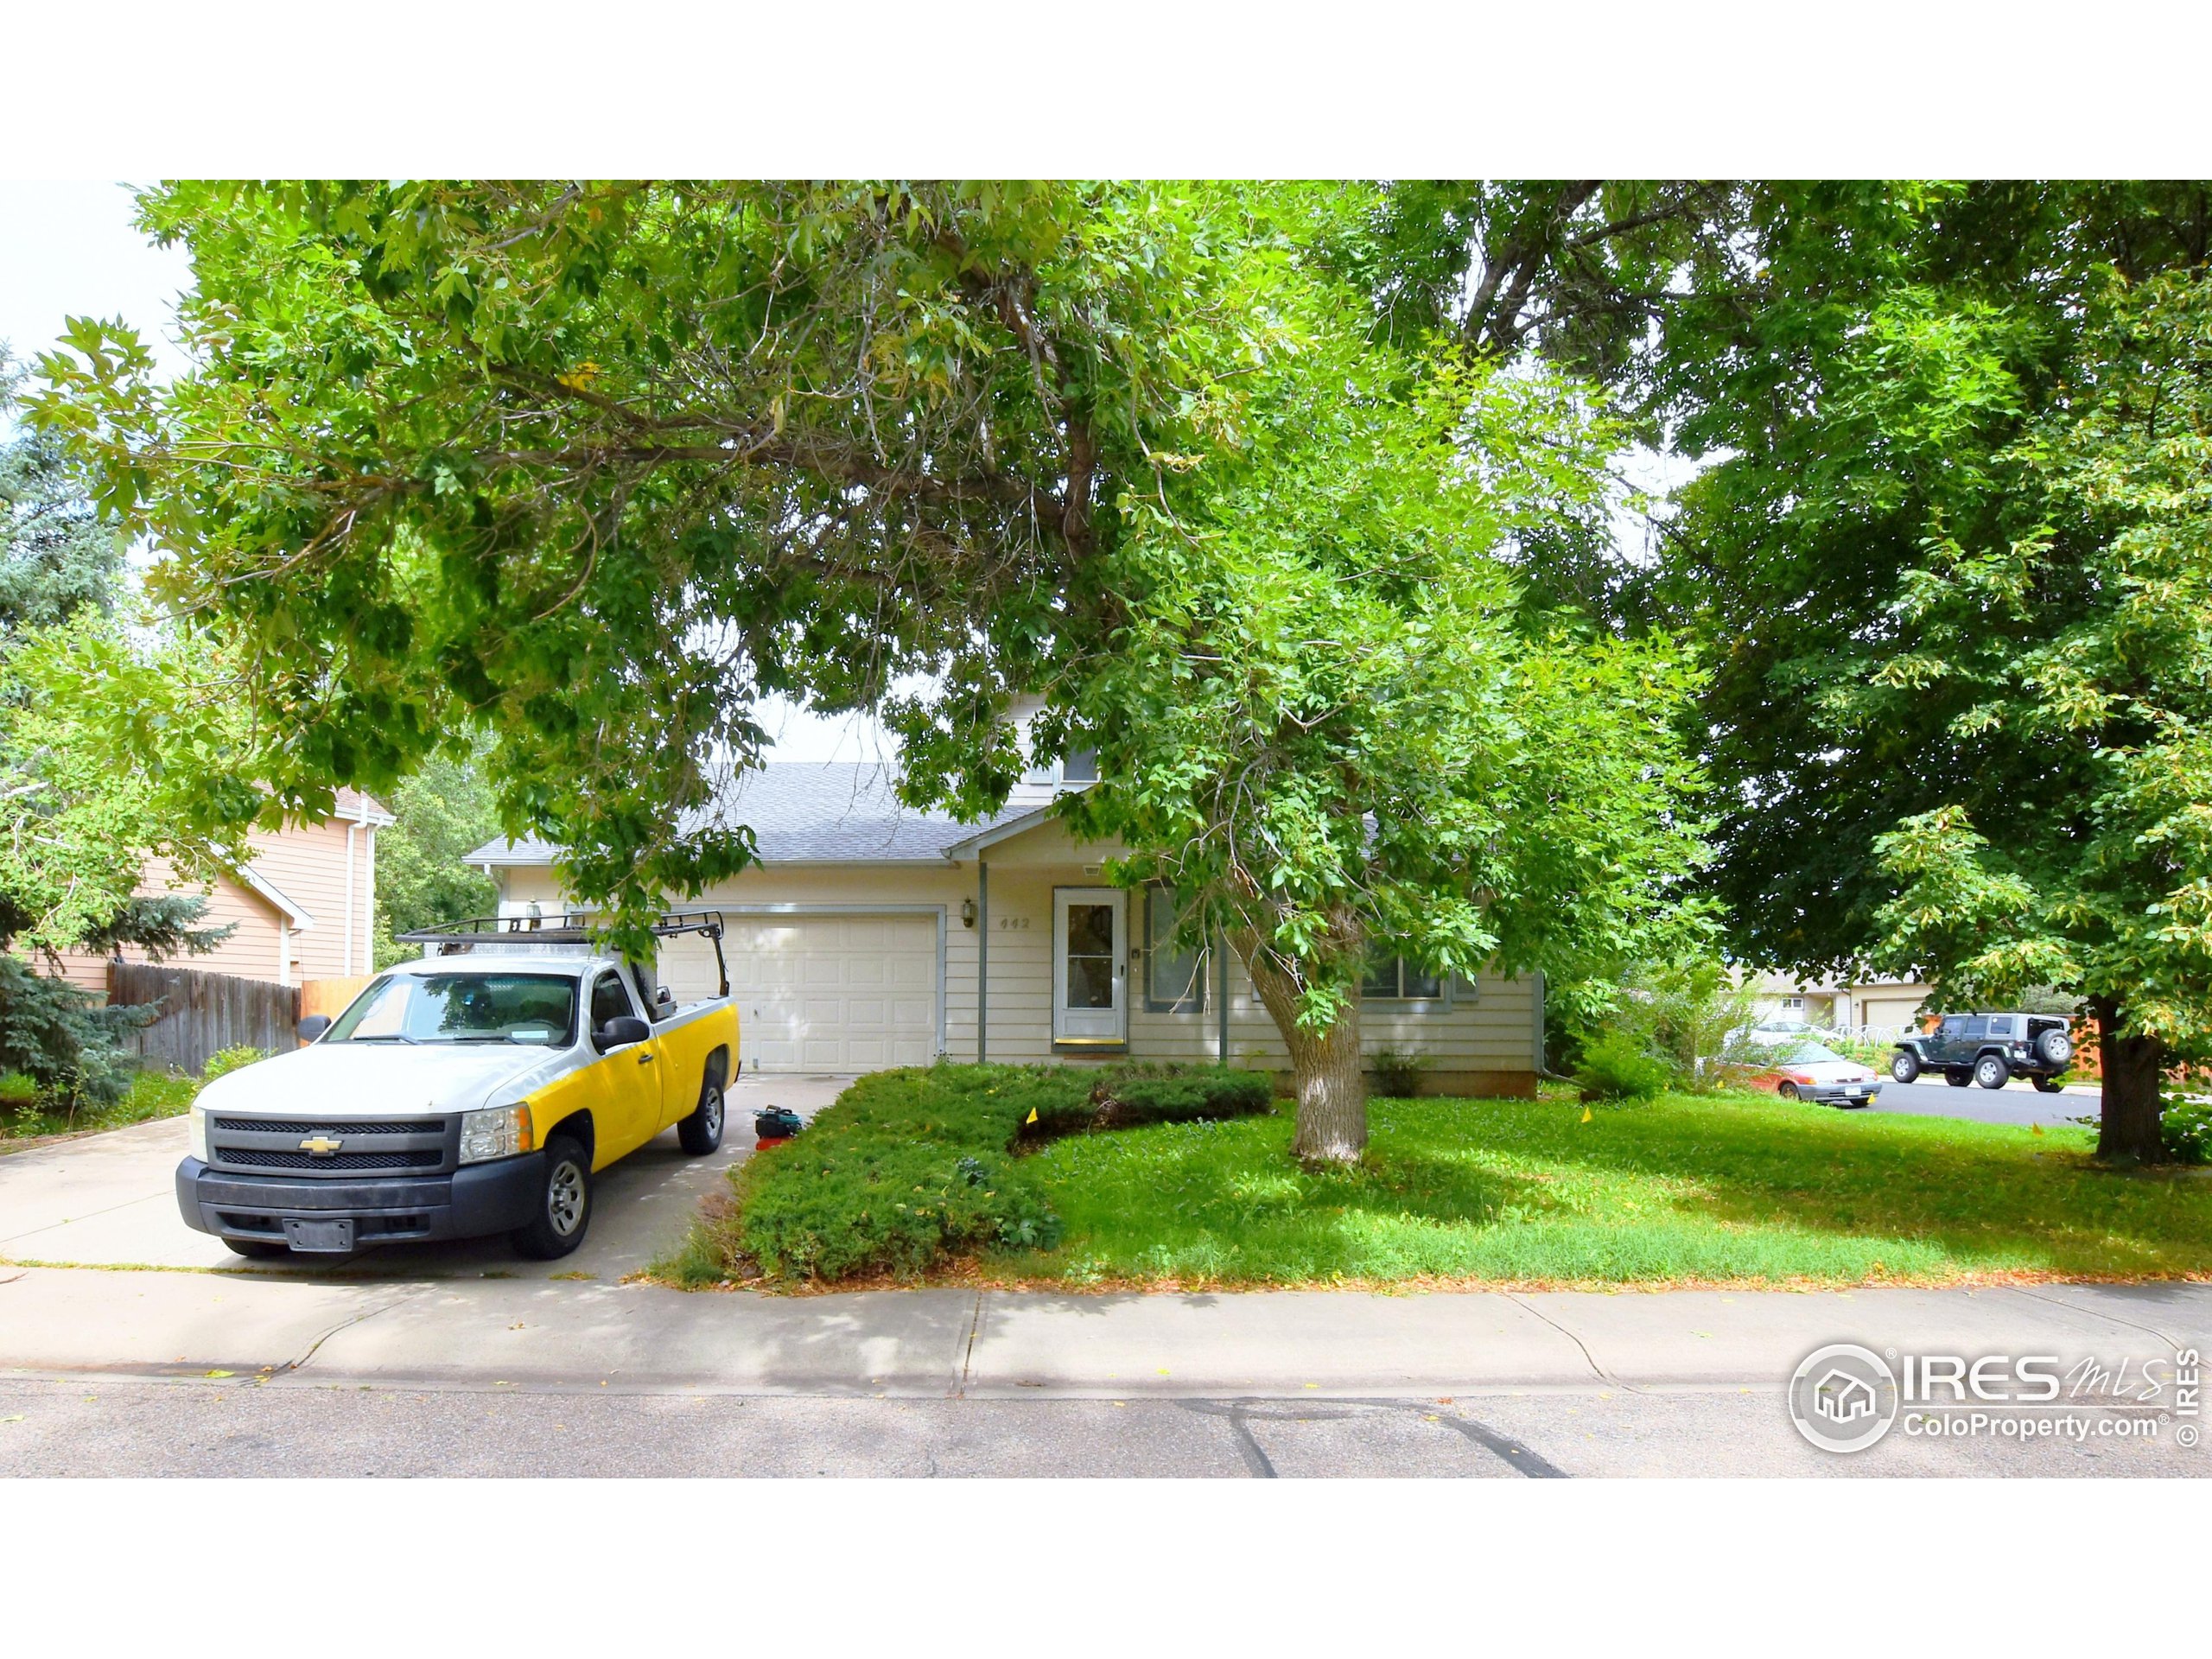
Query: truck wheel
{"type": "Point", "coordinates": [2050, 1085]}
{"type": "Point", "coordinates": [563, 1203]}
{"type": "Point", "coordinates": [1990, 1072]}
{"type": "Point", "coordinates": [702, 1133]}
{"type": "Point", "coordinates": [1957, 1075]}
{"type": "Point", "coordinates": [258, 1249]}
{"type": "Point", "coordinates": [2054, 1047]}
{"type": "Point", "coordinates": [1905, 1065]}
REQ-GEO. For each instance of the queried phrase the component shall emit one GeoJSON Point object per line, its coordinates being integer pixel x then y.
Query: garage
{"type": "Point", "coordinates": [822, 992]}
{"type": "Point", "coordinates": [1899, 1013]}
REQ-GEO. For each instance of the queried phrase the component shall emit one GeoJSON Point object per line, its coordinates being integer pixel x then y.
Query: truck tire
{"type": "Point", "coordinates": [563, 1203]}
{"type": "Point", "coordinates": [1905, 1065]}
{"type": "Point", "coordinates": [1957, 1075]}
{"type": "Point", "coordinates": [2054, 1046]}
{"type": "Point", "coordinates": [2049, 1085]}
{"type": "Point", "coordinates": [702, 1133]}
{"type": "Point", "coordinates": [1992, 1072]}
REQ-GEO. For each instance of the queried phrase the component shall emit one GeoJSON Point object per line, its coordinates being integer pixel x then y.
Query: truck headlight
{"type": "Point", "coordinates": [196, 1132]}
{"type": "Point", "coordinates": [494, 1132]}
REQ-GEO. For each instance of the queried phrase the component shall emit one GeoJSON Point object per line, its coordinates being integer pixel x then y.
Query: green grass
{"type": "Point", "coordinates": [25, 1116]}
{"type": "Point", "coordinates": [1727, 1189]}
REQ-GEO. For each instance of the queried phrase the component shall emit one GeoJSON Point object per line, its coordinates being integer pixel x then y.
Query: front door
{"type": "Point", "coordinates": [1090, 953]}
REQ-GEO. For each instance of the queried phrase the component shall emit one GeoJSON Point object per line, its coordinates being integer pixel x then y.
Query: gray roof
{"type": "Point", "coordinates": [809, 812]}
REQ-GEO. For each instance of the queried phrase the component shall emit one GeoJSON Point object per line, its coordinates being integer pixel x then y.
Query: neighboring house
{"type": "Point", "coordinates": [1886, 1005]}
{"type": "Point", "coordinates": [872, 935]}
{"type": "Point", "coordinates": [303, 907]}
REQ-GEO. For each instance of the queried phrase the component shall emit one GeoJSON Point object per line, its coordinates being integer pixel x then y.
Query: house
{"type": "Point", "coordinates": [303, 905]}
{"type": "Point", "coordinates": [1875, 1006]}
{"type": "Point", "coordinates": [872, 935]}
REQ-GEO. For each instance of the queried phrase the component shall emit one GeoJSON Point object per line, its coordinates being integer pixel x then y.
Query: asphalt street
{"type": "Point", "coordinates": [2016, 1102]}
{"type": "Point", "coordinates": [99, 1426]}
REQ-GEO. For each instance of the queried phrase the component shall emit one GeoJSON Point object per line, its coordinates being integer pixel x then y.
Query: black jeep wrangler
{"type": "Point", "coordinates": [1989, 1049]}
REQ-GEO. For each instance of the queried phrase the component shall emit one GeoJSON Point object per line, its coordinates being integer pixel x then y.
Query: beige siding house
{"type": "Point", "coordinates": [871, 935]}
{"type": "Point", "coordinates": [301, 907]}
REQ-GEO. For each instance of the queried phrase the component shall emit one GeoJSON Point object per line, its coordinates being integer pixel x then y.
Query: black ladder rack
{"type": "Point", "coordinates": [568, 927]}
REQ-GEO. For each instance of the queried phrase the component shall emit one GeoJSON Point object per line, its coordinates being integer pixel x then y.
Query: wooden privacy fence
{"type": "Point", "coordinates": [330, 996]}
{"type": "Point", "coordinates": [203, 1012]}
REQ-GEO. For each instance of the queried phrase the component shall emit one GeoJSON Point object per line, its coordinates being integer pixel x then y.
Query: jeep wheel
{"type": "Point", "coordinates": [702, 1132]}
{"type": "Point", "coordinates": [1905, 1065]}
{"type": "Point", "coordinates": [2054, 1046]}
{"type": "Point", "coordinates": [1990, 1072]}
{"type": "Point", "coordinates": [2050, 1085]}
{"type": "Point", "coordinates": [563, 1203]}
{"type": "Point", "coordinates": [1958, 1077]}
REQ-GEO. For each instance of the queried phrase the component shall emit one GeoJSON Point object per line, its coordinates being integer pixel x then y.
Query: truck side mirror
{"type": "Point", "coordinates": [620, 1033]}
{"type": "Point", "coordinates": [312, 1026]}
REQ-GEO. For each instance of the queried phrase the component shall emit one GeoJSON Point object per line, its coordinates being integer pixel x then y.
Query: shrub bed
{"type": "Point", "coordinates": [909, 1169]}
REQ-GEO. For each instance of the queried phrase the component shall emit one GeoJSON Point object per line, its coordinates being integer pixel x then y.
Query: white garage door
{"type": "Point", "coordinates": [821, 993]}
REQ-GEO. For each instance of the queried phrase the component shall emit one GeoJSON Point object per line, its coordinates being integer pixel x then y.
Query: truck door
{"type": "Point", "coordinates": [632, 1085]}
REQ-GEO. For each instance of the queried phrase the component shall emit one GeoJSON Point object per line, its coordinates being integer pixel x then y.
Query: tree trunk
{"type": "Point", "coordinates": [2128, 1129]}
{"type": "Point", "coordinates": [1324, 1068]}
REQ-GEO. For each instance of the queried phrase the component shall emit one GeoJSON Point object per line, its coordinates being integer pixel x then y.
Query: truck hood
{"type": "Point", "coordinates": [382, 1079]}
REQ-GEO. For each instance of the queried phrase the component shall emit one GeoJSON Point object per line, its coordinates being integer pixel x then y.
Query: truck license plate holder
{"type": "Point", "coordinates": [318, 1234]}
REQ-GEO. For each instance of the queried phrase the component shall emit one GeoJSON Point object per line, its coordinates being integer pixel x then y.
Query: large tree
{"type": "Point", "coordinates": [595, 468]}
{"type": "Point", "coordinates": [1891, 570]}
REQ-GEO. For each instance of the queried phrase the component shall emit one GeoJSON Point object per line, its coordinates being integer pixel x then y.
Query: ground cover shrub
{"type": "Point", "coordinates": [1617, 1067]}
{"type": "Point", "coordinates": [224, 1061]}
{"type": "Point", "coordinates": [2187, 1126]}
{"type": "Point", "coordinates": [1398, 1073]}
{"type": "Point", "coordinates": [909, 1169]}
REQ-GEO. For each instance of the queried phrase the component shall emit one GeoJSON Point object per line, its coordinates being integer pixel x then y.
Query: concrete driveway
{"type": "Point", "coordinates": [110, 1200]}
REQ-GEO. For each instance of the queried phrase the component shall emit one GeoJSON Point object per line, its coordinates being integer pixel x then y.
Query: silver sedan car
{"type": "Point", "coordinates": [1812, 1072]}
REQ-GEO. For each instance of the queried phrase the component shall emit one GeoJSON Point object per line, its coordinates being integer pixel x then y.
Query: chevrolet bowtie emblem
{"type": "Point", "coordinates": [322, 1146]}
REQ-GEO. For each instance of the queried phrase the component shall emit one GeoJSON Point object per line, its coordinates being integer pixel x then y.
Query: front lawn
{"type": "Point", "coordinates": [1729, 1190]}
{"type": "Point", "coordinates": [1718, 1191]}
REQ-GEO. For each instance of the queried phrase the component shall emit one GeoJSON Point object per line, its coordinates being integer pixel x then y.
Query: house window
{"type": "Point", "coordinates": [1395, 980]}
{"type": "Point", "coordinates": [1793, 1004]}
{"type": "Point", "coordinates": [1077, 766]}
{"type": "Point", "coordinates": [1174, 977]}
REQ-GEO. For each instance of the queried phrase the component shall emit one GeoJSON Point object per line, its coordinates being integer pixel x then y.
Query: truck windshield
{"type": "Point", "coordinates": [474, 1007]}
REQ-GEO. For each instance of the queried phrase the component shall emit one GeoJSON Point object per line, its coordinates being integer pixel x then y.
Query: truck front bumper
{"type": "Point", "coordinates": [494, 1197]}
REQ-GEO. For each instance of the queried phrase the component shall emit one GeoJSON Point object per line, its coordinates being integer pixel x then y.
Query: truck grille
{"type": "Point", "coordinates": [238, 1158]}
{"type": "Point", "coordinates": [420, 1146]}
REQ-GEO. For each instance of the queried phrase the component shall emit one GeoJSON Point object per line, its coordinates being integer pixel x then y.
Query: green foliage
{"type": "Point", "coordinates": [64, 1042]}
{"type": "Point", "coordinates": [1616, 1065]}
{"type": "Point", "coordinates": [444, 812]}
{"type": "Point", "coordinates": [909, 1169]}
{"type": "Point", "coordinates": [1718, 1190]}
{"type": "Point", "coordinates": [1398, 1072]}
{"type": "Point", "coordinates": [2187, 1126]}
{"type": "Point", "coordinates": [224, 1061]}
{"type": "Point", "coordinates": [27, 1111]}
{"type": "Point", "coordinates": [56, 559]}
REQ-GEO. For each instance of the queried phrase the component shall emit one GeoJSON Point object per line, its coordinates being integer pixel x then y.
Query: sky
{"type": "Point", "coordinates": [67, 248]}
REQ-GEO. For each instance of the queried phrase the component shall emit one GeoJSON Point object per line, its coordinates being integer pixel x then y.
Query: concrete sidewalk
{"type": "Point", "coordinates": [588, 1336]}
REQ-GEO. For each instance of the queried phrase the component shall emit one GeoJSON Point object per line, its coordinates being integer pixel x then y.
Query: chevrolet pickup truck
{"type": "Point", "coordinates": [476, 1091]}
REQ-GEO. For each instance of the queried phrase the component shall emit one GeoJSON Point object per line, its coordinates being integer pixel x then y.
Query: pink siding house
{"type": "Point", "coordinates": [303, 905]}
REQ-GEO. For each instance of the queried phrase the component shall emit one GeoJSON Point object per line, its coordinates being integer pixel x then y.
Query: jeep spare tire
{"type": "Point", "coordinates": [1905, 1065]}
{"type": "Point", "coordinates": [2054, 1046]}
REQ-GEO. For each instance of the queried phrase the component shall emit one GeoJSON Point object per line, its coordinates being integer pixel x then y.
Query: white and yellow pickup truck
{"type": "Point", "coordinates": [476, 1091]}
